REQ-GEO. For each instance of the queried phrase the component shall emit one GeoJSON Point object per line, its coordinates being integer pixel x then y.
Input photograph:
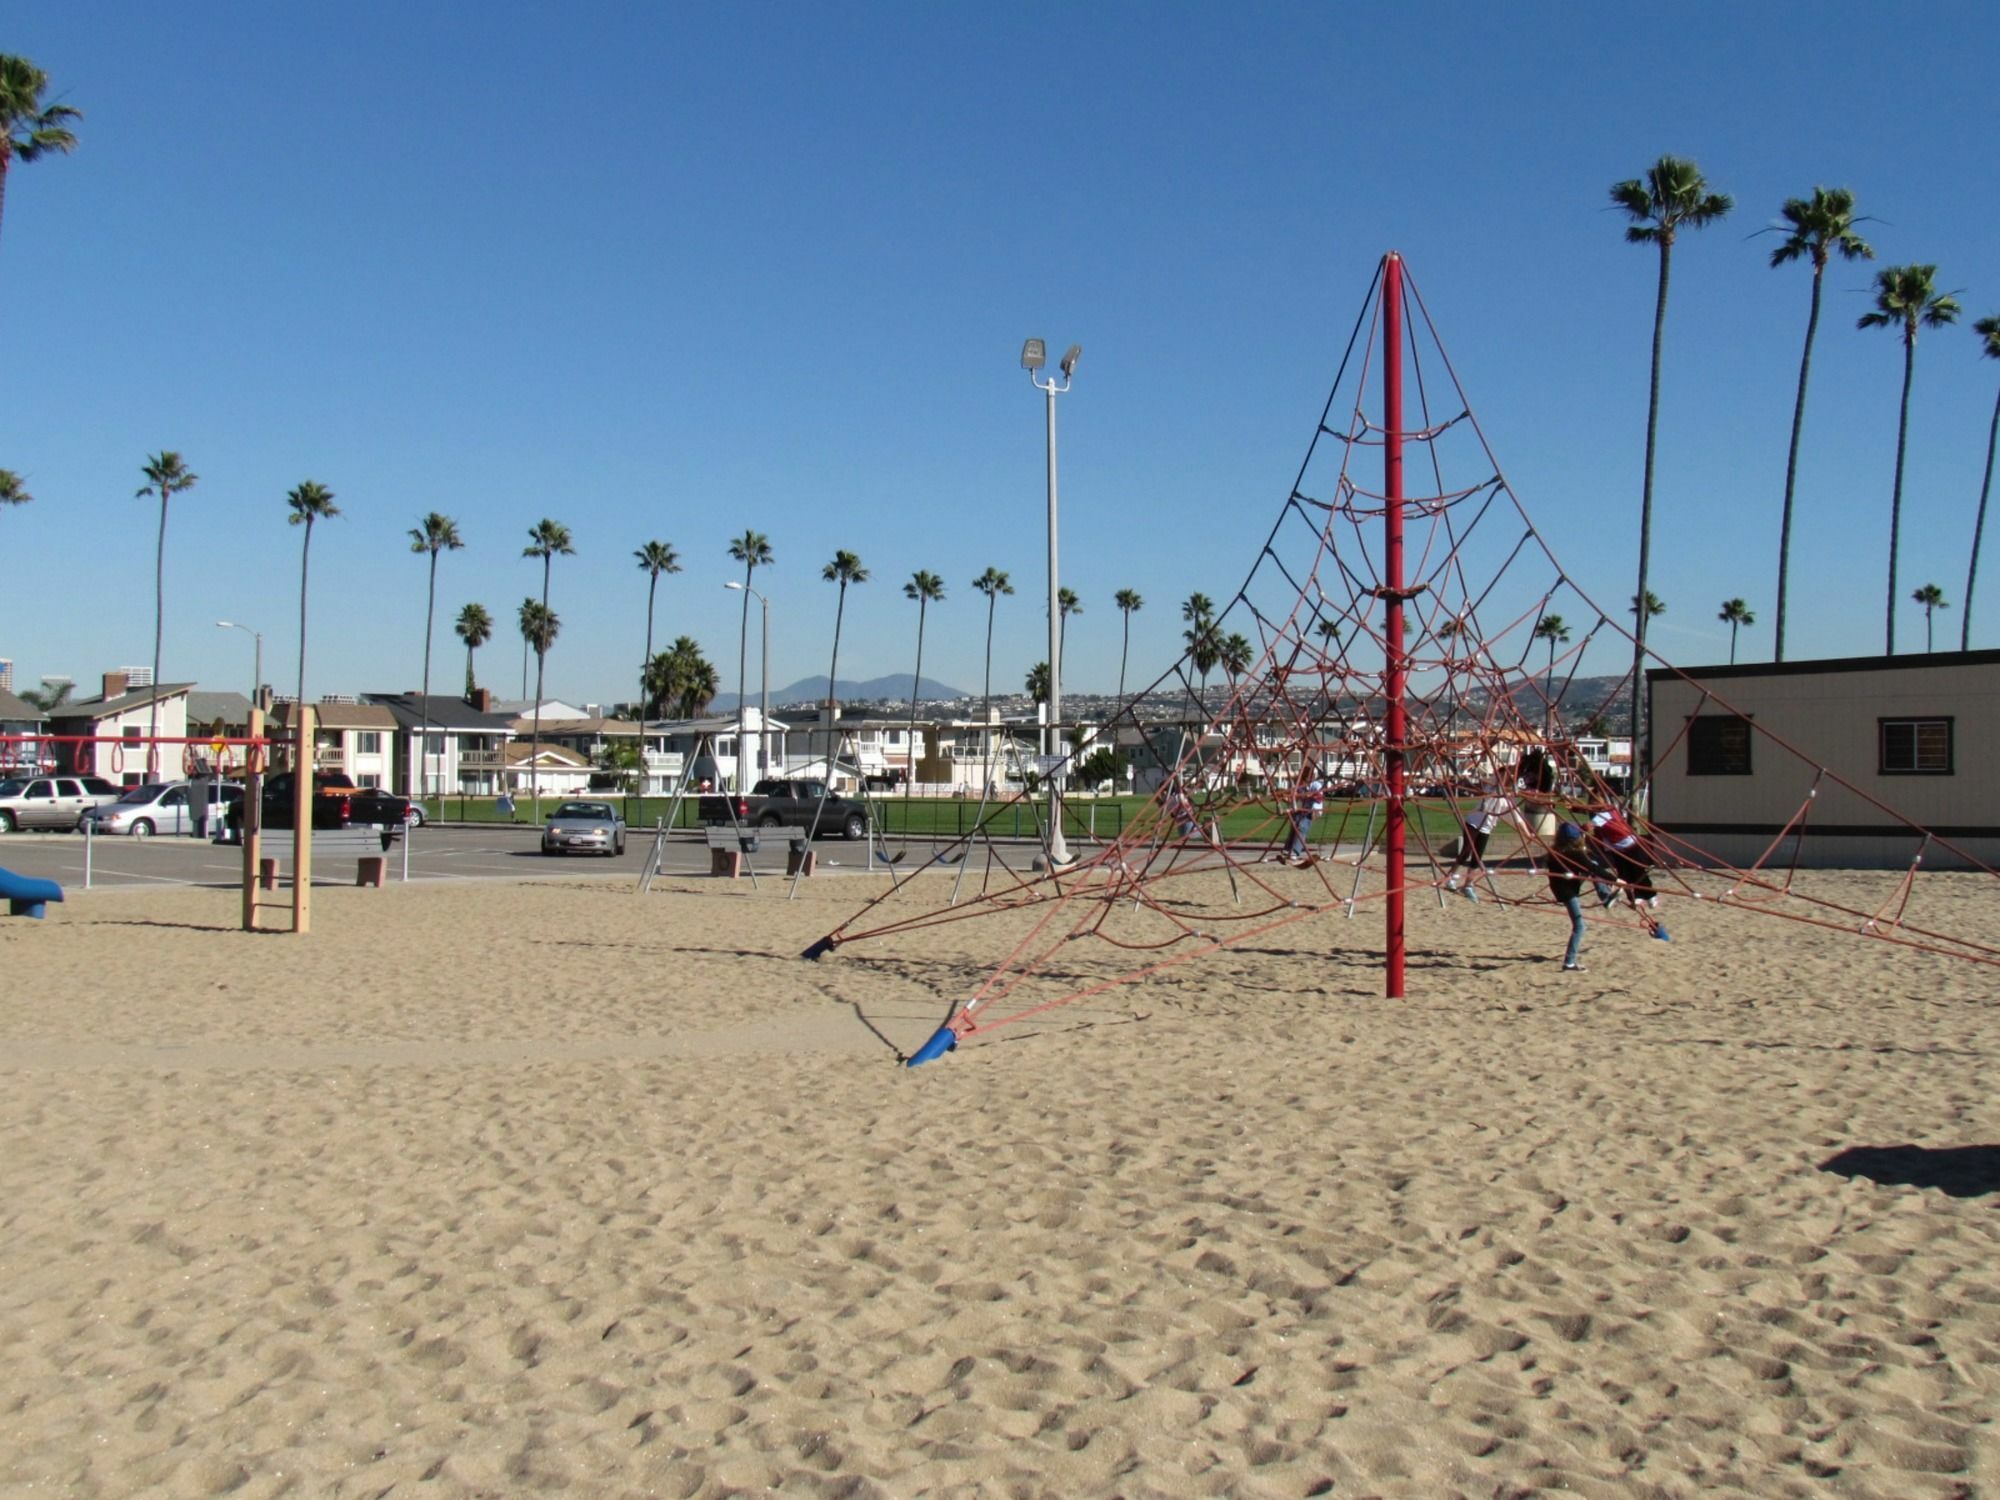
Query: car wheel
{"type": "Point", "coordinates": [143, 829]}
{"type": "Point", "coordinates": [416, 817]}
{"type": "Point", "coordinates": [770, 820]}
{"type": "Point", "coordinates": [856, 827]}
{"type": "Point", "coordinates": [7, 823]}
{"type": "Point", "coordinates": [619, 850]}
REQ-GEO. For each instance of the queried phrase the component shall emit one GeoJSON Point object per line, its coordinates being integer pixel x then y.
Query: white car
{"type": "Point", "coordinates": [162, 807]}
{"type": "Point", "coordinates": [52, 801]}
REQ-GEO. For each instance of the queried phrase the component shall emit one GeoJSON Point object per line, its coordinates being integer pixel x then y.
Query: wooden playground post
{"type": "Point", "coordinates": [253, 815]}
{"type": "Point", "coordinates": [302, 809]}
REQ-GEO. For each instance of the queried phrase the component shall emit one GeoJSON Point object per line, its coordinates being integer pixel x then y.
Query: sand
{"type": "Point", "coordinates": [553, 1188]}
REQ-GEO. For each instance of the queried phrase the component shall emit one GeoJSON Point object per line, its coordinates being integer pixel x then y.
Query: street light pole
{"type": "Point", "coordinates": [257, 636]}
{"type": "Point", "coordinates": [763, 689]}
{"type": "Point", "coordinates": [1034, 355]}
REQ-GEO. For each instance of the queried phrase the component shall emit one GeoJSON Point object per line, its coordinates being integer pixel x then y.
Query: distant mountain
{"type": "Point", "coordinates": [813, 690]}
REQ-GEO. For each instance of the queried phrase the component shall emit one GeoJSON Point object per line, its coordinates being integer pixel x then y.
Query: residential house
{"type": "Point", "coordinates": [116, 723]}
{"type": "Point", "coordinates": [360, 739]}
{"type": "Point", "coordinates": [21, 724]}
{"type": "Point", "coordinates": [463, 754]}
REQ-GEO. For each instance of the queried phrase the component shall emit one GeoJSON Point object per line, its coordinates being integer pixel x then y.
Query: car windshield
{"type": "Point", "coordinates": [141, 794]}
{"type": "Point", "coordinates": [582, 810]}
{"type": "Point", "coordinates": [11, 788]}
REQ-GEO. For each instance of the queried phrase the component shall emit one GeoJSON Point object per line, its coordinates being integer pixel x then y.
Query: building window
{"type": "Point", "coordinates": [368, 742]}
{"type": "Point", "coordinates": [1914, 747]}
{"type": "Point", "coordinates": [1719, 745]}
{"type": "Point", "coordinates": [367, 781]}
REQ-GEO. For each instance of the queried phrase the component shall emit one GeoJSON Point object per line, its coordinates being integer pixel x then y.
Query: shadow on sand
{"type": "Point", "coordinates": [1962, 1171]}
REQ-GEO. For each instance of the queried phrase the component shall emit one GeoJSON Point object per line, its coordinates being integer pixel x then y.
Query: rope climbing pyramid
{"type": "Point", "coordinates": [1408, 649]}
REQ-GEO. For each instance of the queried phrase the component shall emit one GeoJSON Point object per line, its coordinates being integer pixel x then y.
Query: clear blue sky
{"type": "Point", "coordinates": [672, 272]}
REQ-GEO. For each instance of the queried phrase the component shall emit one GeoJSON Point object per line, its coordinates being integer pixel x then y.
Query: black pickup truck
{"type": "Point", "coordinates": [790, 804]}
{"type": "Point", "coordinates": [336, 803]}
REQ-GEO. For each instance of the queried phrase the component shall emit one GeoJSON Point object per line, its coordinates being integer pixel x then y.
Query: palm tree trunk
{"type": "Point", "coordinates": [1732, 623]}
{"type": "Point", "coordinates": [471, 682]}
{"type": "Point", "coordinates": [6, 156]}
{"type": "Point", "coordinates": [986, 700]}
{"type": "Point", "coordinates": [304, 764]}
{"type": "Point", "coordinates": [910, 744]}
{"type": "Point", "coordinates": [832, 715]}
{"type": "Point", "coordinates": [1792, 469]}
{"type": "Point", "coordinates": [159, 627]}
{"type": "Point", "coordinates": [541, 665]}
{"type": "Point", "coordinates": [1896, 496]}
{"type": "Point", "coordinates": [430, 625]}
{"type": "Point", "coordinates": [742, 667]}
{"type": "Point", "coordinates": [1124, 650]}
{"type": "Point", "coordinates": [1640, 762]}
{"type": "Point", "coordinates": [645, 663]}
{"type": "Point", "coordinates": [1978, 531]}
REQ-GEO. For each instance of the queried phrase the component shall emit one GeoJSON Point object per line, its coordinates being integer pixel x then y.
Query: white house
{"type": "Point", "coordinates": [462, 755]}
{"type": "Point", "coordinates": [117, 722]}
{"type": "Point", "coordinates": [357, 738]}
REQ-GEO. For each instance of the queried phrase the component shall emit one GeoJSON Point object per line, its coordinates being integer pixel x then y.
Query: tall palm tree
{"type": "Point", "coordinates": [475, 628]}
{"type": "Point", "coordinates": [29, 128]}
{"type": "Point", "coordinates": [1235, 655]}
{"type": "Point", "coordinates": [1129, 603]}
{"type": "Point", "coordinates": [1905, 296]}
{"type": "Point", "coordinates": [309, 503]}
{"type": "Point", "coordinates": [547, 540]}
{"type": "Point", "coordinates": [654, 558]}
{"type": "Point", "coordinates": [539, 627]}
{"type": "Point", "coordinates": [166, 476]}
{"type": "Point", "coordinates": [844, 569]}
{"type": "Point", "coordinates": [992, 583]}
{"type": "Point", "coordinates": [1329, 631]}
{"type": "Point", "coordinates": [753, 550]}
{"type": "Point", "coordinates": [1817, 227]}
{"type": "Point", "coordinates": [1671, 196]}
{"type": "Point", "coordinates": [1988, 330]}
{"type": "Point", "coordinates": [1931, 597]}
{"type": "Point", "coordinates": [434, 534]}
{"type": "Point", "coordinates": [1037, 682]}
{"type": "Point", "coordinates": [1555, 631]}
{"type": "Point", "coordinates": [1735, 614]}
{"type": "Point", "coordinates": [927, 589]}
{"type": "Point", "coordinates": [1203, 643]}
{"type": "Point", "coordinates": [12, 490]}
{"type": "Point", "coordinates": [1067, 604]}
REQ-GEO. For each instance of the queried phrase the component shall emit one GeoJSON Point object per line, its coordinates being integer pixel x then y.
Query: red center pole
{"type": "Point", "coordinates": [1392, 591]}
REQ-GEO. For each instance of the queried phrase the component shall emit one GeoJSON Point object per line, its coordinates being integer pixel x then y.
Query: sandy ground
{"type": "Point", "coordinates": [554, 1188]}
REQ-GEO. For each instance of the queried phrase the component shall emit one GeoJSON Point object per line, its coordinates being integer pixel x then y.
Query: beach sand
{"type": "Point", "coordinates": [497, 1189]}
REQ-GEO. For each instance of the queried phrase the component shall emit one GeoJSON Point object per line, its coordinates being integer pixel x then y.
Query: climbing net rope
{"type": "Point", "coordinates": [1492, 702]}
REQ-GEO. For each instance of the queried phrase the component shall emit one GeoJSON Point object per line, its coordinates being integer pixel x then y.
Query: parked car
{"type": "Point", "coordinates": [336, 803]}
{"type": "Point", "coordinates": [52, 801]}
{"type": "Point", "coordinates": [584, 828]}
{"type": "Point", "coordinates": [162, 807]}
{"type": "Point", "coordinates": [790, 804]}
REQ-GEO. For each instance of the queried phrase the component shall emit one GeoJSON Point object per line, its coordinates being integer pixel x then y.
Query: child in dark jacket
{"type": "Point", "coordinates": [1571, 862]}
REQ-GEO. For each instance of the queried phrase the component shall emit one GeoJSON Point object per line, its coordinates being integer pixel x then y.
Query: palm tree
{"type": "Point", "coordinates": [753, 550]}
{"type": "Point", "coordinates": [1904, 297]}
{"type": "Point", "coordinates": [1988, 330]}
{"type": "Point", "coordinates": [844, 569]}
{"type": "Point", "coordinates": [1203, 642]}
{"type": "Point", "coordinates": [682, 679]}
{"type": "Point", "coordinates": [29, 128]}
{"type": "Point", "coordinates": [1931, 597]}
{"type": "Point", "coordinates": [1329, 631]}
{"type": "Point", "coordinates": [547, 540]}
{"type": "Point", "coordinates": [1067, 604]}
{"type": "Point", "coordinates": [433, 534]}
{"type": "Point", "coordinates": [475, 628]}
{"type": "Point", "coordinates": [166, 477]}
{"type": "Point", "coordinates": [1551, 628]}
{"type": "Point", "coordinates": [1671, 196]}
{"type": "Point", "coordinates": [12, 490]}
{"type": "Point", "coordinates": [1235, 655]}
{"type": "Point", "coordinates": [1038, 682]}
{"type": "Point", "coordinates": [654, 558]}
{"type": "Point", "coordinates": [1818, 227]}
{"type": "Point", "coordinates": [1735, 614]}
{"type": "Point", "coordinates": [1655, 605]}
{"type": "Point", "coordinates": [539, 627]}
{"type": "Point", "coordinates": [50, 696]}
{"type": "Point", "coordinates": [309, 503]}
{"type": "Point", "coordinates": [992, 583]}
{"type": "Point", "coordinates": [927, 589]}
{"type": "Point", "coordinates": [1129, 603]}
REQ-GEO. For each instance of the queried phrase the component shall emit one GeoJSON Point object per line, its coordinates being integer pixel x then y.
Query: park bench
{"type": "Point", "coordinates": [728, 845]}
{"type": "Point", "coordinates": [365, 841]}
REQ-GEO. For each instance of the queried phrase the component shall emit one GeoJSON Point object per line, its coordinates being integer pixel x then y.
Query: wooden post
{"type": "Point", "coordinates": [302, 810]}
{"type": "Point", "coordinates": [253, 815]}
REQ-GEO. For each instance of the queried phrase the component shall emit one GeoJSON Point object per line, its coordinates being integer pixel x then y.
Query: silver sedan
{"type": "Point", "coordinates": [584, 828]}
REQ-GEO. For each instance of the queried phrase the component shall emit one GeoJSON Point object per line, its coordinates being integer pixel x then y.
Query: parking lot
{"type": "Point", "coordinates": [434, 853]}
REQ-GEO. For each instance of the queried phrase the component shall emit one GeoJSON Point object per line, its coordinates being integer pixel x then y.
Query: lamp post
{"type": "Point", "coordinates": [257, 681]}
{"type": "Point", "coordinates": [1034, 354]}
{"type": "Point", "coordinates": [763, 691]}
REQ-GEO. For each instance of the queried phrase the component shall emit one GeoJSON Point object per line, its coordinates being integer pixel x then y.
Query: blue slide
{"type": "Point", "coordinates": [25, 895]}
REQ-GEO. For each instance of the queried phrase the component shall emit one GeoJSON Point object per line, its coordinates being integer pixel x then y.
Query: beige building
{"type": "Point", "coordinates": [1739, 751]}
{"type": "Point", "coordinates": [116, 724]}
{"type": "Point", "coordinates": [358, 738]}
